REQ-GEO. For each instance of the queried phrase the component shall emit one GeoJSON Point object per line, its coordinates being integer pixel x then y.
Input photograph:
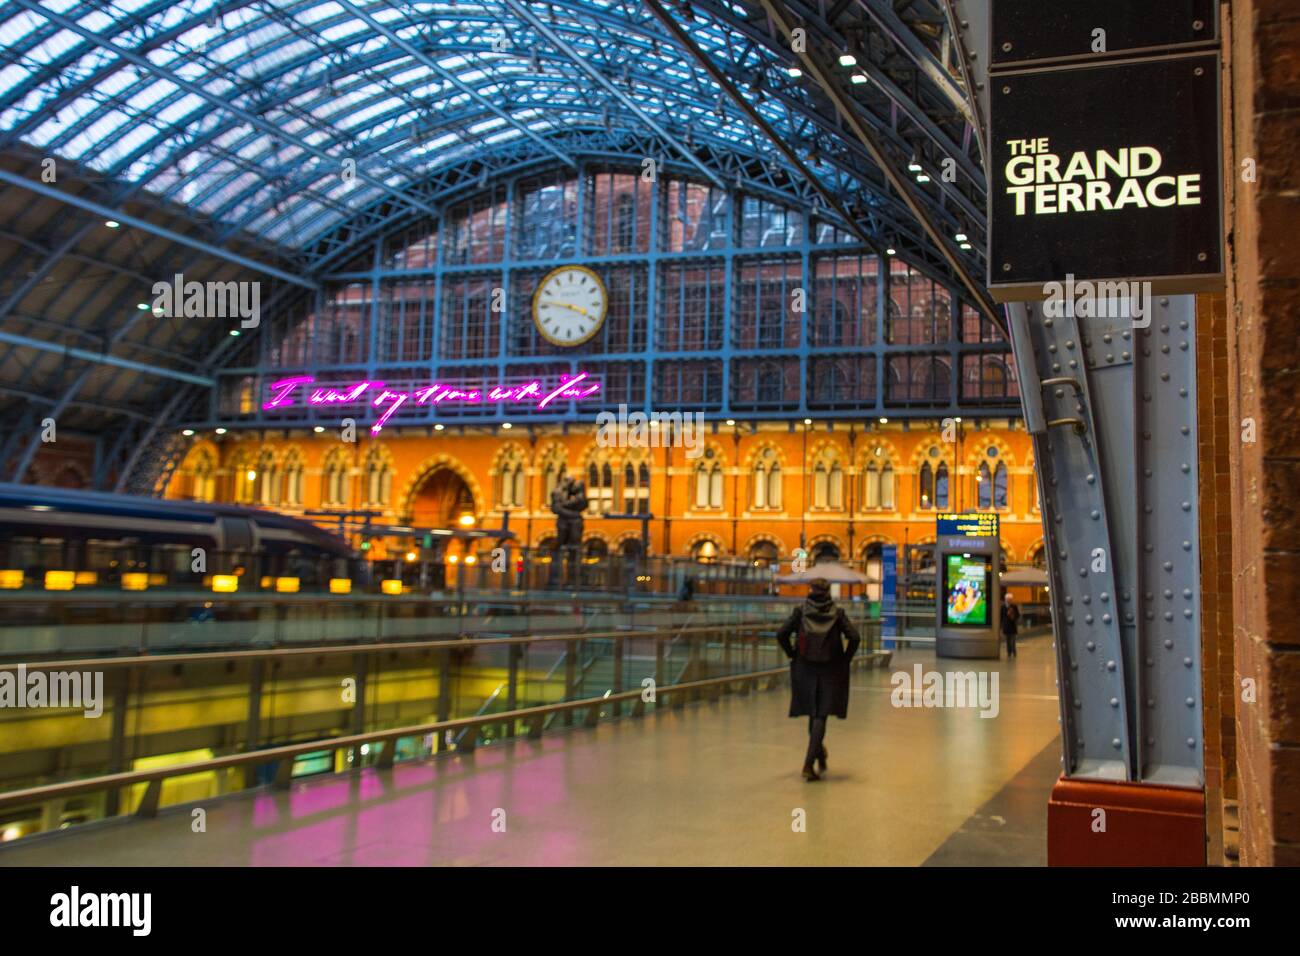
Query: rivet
{"type": "Point", "coordinates": [1115, 743]}
{"type": "Point", "coordinates": [1191, 702]}
{"type": "Point", "coordinates": [1114, 702]}
{"type": "Point", "coordinates": [1169, 644]}
{"type": "Point", "coordinates": [1110, 665]}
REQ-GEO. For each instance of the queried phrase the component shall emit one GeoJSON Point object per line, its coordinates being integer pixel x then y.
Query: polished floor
{"type": "Point", "coordinates": [709, 784]}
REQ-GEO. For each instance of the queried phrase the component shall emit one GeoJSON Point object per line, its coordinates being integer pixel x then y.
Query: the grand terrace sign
{"type": "Point", "coordinates": [534, 394]}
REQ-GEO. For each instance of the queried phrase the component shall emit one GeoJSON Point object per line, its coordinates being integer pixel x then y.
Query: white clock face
{"type": "Point", "coordinates": [569, 305]}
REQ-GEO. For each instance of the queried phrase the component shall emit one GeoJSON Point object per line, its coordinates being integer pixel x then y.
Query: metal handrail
{"type": "Point", "coordinates": [464, 642]}
{"type": "Point", "coordinates": [285, 754]}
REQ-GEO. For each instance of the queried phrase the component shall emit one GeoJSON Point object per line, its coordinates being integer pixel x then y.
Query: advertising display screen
{"type": "Point", "coordinates": [967, 585]}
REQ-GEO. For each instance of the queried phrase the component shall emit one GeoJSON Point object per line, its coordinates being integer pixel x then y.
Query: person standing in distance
{"type": "Point", "coordinates": [819, 667]}
{"type": "Point", "coordinates": [1010, 615]}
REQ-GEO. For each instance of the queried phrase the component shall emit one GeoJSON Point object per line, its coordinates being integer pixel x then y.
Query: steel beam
{"type": "Point", "coordinates": [89, 205]}
{"type": "Point", "coordinates": [451, 78]}
{"type": "Point", "coordinates": [103, 358]}
{"type": "Point", "coordinates": [684, 40]}
{"type": "Point", "coordinates": [521, 10]}
{"type": "Point", "coordinates": [979, 295]}
{"type": "Point", "coordinates": [202, 92]}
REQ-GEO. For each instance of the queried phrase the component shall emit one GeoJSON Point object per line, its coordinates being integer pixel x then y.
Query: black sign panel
{"type": "Point", "coordinates": [1031, 30]}
{"type": "Point", "coordinates": [1106, 172]}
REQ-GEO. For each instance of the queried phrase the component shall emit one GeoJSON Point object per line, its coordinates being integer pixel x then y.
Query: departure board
{"type": "Point", "coordinates": [970, 524]}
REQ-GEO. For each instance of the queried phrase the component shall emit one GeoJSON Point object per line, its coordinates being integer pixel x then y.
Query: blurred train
{"type": "Point", "coordinates": [96, 539]}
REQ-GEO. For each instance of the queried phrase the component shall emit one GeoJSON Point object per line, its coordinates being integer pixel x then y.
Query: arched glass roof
{"type": "Point", "coordinates": [233, 138]}
{"type": "Point", "coordinates": [284, 119]}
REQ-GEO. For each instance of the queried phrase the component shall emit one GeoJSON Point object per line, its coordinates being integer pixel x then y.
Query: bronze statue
{"type": "Point", "coordinates": [569, 502]}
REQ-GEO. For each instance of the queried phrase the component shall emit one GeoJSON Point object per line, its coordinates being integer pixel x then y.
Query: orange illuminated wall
{"type": "Point", "coordinates": [430, 478]}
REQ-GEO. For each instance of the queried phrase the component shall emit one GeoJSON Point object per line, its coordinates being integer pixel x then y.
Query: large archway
{"type": "Point", "coordinates": [441, 499]}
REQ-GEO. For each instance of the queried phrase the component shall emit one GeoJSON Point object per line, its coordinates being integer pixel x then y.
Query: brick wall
{"type": "Point", "coordinates": [1263, 124]}
{"type": "Point", "coordinates": [1217, 440]}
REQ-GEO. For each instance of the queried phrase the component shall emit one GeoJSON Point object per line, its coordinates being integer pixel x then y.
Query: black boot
{"type": "Point", "coordinates": [821, 759]}
{"type": "Point", "coordinates": [809, 773]}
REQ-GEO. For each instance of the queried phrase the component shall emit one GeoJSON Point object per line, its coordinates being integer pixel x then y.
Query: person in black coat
{"type": "Point", "coordinates": [819, 666]}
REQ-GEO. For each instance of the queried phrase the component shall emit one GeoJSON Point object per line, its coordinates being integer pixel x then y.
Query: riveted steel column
{"type": "Point", "coordinates": [1169, 724]}
{"type": "Point", "coordinates": [1083, 564]}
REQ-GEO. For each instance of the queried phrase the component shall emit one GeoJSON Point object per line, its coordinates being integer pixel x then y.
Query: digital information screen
{"type": "Point", "coordinates": [967, 584]}
{"type": "Point", "coordinates": [971, 524]}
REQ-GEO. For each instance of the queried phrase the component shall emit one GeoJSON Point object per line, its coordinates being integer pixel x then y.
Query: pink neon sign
{"type": "Point", "coordinates": [536, 393]}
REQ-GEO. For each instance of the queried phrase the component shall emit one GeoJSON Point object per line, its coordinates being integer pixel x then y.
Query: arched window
{"type": "Point", "coordinates": [824, 552]}
{"type": "Point", "coordinates": [293, 479]}
{"type": "Point", "coordinates": [941, 487]}
{"type": "Point", "coordinates": [552, 471]}
{"type": "Point", "coordinates": [511, 481]}
{"type": "Point", "coordinates": [764, 554]}
{"type": "Point", "coordinates": [878, 484]}
{"type": "Point", "coordinates": [244, 477]}
{"type": "Point", "coordinates": [334, 479]}
{"type": "Point", "coordinates": [766, 480]}
{"type": "Point", "coordinates": [705, 552]}
{"type": "Point", "coordinates": [927, 486]}
{"type": "Point", "coordinates": [636, 489]}
{"type": "Point", "coordinates": [984, 487]}
{"type": "Point", "coordinates": [708, 484]}
{"type": "Point", "coordinates": [828, 482]}
{"type": "Point", "coordinates": [1000, 486]}
{"type": "Point", "coordinates": [204, 487]}
{"type": "Point", "coordinates": [378, 479]}
{"type": "Point", "coordinates": [268, 479]}
{"type": "Point", "coordinates": [600, 488]}
{"type": "Point", "coordinates": [595, 550]}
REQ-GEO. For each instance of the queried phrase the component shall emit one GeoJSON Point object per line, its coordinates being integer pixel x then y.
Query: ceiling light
{"type": "Point", "coordinates": [794, 72]}
{"type": "Point", "coordinates": [318, 429]}
{"type": "Point", "coordinates": [966, 245]}
{"type": "Point", "coordinates": [731, 421]}
{"type": "Point", "coordinates": [859, 78]}
{"type": "Point", "coordinates": [506, 425]}
{"type": "Point", "coordinates": [188, 432]}
{"type": "Point", "coordinates": [848, 59]}
{"type": "Point", "coordinates": [960, 237]}
{"type": "Point", "coordinates": [438, 427]}
{"type": "Point", "coordinates": [142, 306]}
{"type": "Point", "coordinates": [234, 332]}
{"type": "Point", "coordinates": [112, 223]}
{"type": "Point", "coordinates": [922, 178]}
{"type": "Point", "coordinates": [884, 421]}
{"type": "Point", "coordinates": [890, 251]}
{"type": "Point", "coordinates": [913, 166]}
{"type": "Point", "coordinates": [807, 421]}
{"type": "Point", "coordinates": [221, 431]}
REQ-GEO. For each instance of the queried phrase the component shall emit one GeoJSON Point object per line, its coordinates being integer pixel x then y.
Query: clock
{"type": "Point", "coordinates": [569, 305]}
